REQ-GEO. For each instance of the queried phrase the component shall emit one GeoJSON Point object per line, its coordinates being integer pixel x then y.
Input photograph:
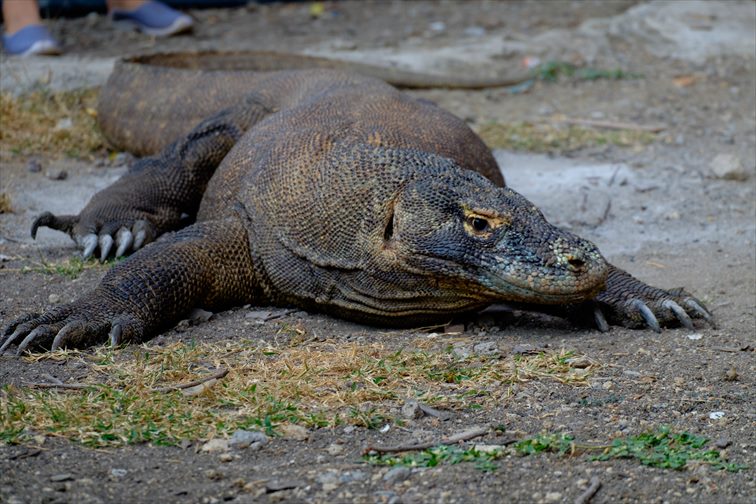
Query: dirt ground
{"type": "Point", "coordinates": [680, 210]}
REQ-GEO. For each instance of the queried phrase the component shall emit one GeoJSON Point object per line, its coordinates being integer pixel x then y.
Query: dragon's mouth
{"type": "Point", "coordinates": [547, 289]}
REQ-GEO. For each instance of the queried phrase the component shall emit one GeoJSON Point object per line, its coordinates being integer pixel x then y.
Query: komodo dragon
{"type": "Point", "coordinates": [333, 192]}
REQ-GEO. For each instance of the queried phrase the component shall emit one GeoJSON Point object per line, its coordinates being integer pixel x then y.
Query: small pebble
{"type": "Point", "coordinates": [61, 477]}
{"type": "Point", "coordinates": [553, 497]}
{"type": "Point", "coordinates": [53, 299]}
{"type": "Point", "coordinates": [57, 175]}
{"type": "Point", "coordinates": [214, 474]}
{"type": "Point", "coordinates": [411, 409]}
{"type": "Point", "coordinates": [335, 449]}
{"type": "Point", "coordinates": [241, 439]}
{"type": "Point", "coordinates": [397, 475]}
{"type": "Point", "coordinates": [34, 166]}
{"type": "Point", "coordinates": [215, 445]}
{"type": "Point", "coordinates": [723, 442]}
{"type": "Point", "coordinates": [296, 432]}
{"type": "Point", "coordinates": [474, 31]}
{"type": "Point", "coordinates": [728, 167]}
{"type": "Point", "coordinates": [118, 473]}
{"type": "Point", "coordinates": [731, 374]}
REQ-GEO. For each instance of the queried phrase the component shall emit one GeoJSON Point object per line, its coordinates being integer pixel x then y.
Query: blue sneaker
{"type": "Point", "coordinates": [31, 40]}
{"type": "Point", "coordinates": [153, 18]}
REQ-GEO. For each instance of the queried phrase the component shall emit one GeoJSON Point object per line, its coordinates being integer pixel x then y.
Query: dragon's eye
{"type": "Point", "coordinates": [479, 224]}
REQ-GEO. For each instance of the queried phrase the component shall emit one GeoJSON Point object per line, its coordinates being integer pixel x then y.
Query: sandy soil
{"type": "Point", "coordinates": [671, 221]}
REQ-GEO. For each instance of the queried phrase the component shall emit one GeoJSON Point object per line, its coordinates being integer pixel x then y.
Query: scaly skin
{"type": "Point", "coordinates": [337, 193]}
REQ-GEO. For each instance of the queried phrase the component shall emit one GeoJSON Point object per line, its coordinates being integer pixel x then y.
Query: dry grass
{"type": "Point", "coordinates": [554, 138]}
{"type": "Point", "coordinates": [315, 385]}
{"type": "Point", "coordinates": [5, 203]}
{"type": "Point", "coordinates": [55, 124]}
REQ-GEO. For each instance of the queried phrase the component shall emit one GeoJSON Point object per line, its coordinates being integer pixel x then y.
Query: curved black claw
{"type": "Point", "coordinates": [699, 310]}
{"type": "Point", "coordinates": [683, 317]}
{"type": "Point", "coordinates": [599, 319]}
{"type": "Point", "coordinates": [647, 314]}
{"type": "Point", "coordinates": [63, 223]}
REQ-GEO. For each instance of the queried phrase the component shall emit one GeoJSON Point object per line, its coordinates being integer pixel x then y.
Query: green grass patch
{"type": "Point", "coordinates": [553, 71]}
{"type": "Point", "coordinates": [484, 460]}
{"type": "Point", "coordinates": [662, 449]}
{"type": "Point", "coordinates": [316, 385]}
{"type": "Point", "coordinates": [667, 450]}
{"type": "Point", "coordinates": [556, 138]}
{"type": "Point", "coordinates": [70, 267]}
{"type": "Point", "coordinates": [57, 124]}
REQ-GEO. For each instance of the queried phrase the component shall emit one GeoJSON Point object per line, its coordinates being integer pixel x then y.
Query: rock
{"type": "Point", "coordinates": [199, 315]}
{"type": "Point", "coordinates": [215, 445]}
{"type": "Point", "coordinates": [578, 362]}
{"type": "Point", "coordinates": [731, 374]}
{"type": "Point", "coordinates": [225, 457]}
{"type": "Point", "coordinates": [524, 349]}
{"type": "Point", "coordinates": [397, 475]}
{"type": "Point", "coordinates": [242, 439]}
{"type": "Point", "coordinates": [723, 442]}
{"type": "Point", "coordinates": [258, 315]}
{"type": "Point", "coordinates": [61, 477]}
{"type": "Point", "coordinates": [214, 474]}
{"type": "Point", "coordinates": [335, 449]}
{"type": "Point", "coordinates": [728, 167]}
{"type": "Point", "coordinates": [553, 497]}
{"type": "Point", "coordinates": [350, 476]}
{"type": "Point", "coordinates": [34, 166]}
{"type": "Point", "coordinates": [279, 485]}
{"type": "Point", "coordinates": [57, 174]}
{"type": "Point", "coordinates": [411, 409]}
{"type": "Point", "coordinates": [486, 348]}
{"type": "Point", "coordinates": [118, 473]}
{"type": "Point", "coordinates": [296, 432]}
{"type": "Point", "coordinates": [53, 299]}
{"type": "Point", "coordinates": [329, 480]}
{"type": "Point", "coordinates": [474, 31]}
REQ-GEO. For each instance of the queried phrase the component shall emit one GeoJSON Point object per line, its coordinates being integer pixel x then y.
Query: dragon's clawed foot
{"type": "Point", "coordinates": [629, 302]}
{"type": "Point", "coordinates": [118, 235]}
{"type": "Point", "coordinates": [83, 323]}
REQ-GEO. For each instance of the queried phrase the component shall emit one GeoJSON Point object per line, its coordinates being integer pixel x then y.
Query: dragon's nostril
{"type": "Point", "coordinates": [575, 262]}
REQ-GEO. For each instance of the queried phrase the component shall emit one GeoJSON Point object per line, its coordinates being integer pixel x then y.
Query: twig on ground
{"type": "Point", "coordinates": [586, 496]}
{"type": "Point", "coordinates": [442, 415]}
{"type": "Point", "coordinates": [279, 315]}
{"type": "Point", "coordinates": [70, 386]}
{"type": "Point", "coordinates": [454, 439]}
{"type": "Point", "coordinates": [215, 376]}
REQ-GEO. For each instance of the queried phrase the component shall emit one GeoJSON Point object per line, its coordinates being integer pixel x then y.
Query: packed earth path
{"type": "Point", "coordinates": [638, 132]}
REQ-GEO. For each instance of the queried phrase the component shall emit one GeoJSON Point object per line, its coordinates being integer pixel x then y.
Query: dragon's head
{"type": "Point", "coordinates": [486, 243]}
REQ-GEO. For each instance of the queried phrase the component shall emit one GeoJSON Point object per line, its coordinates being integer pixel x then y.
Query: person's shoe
{"type": "Point", "coordinates": [153, 18]}
{"type": "Point", "coordinates": [31, 40]}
